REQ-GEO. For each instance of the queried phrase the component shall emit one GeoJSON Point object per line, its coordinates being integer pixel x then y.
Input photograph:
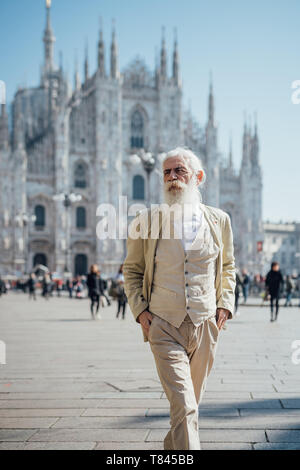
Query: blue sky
{"type": "Point", "coordinates": [252, 49]}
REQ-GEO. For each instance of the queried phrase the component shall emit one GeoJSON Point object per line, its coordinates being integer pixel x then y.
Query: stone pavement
{"type": "Point", "coordinates": [73, 383]}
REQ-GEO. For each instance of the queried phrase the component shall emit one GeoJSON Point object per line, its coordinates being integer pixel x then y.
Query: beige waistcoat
{"type": "Point", "coordinates": [184, 281]}
{"type": "Point", "coordinates": [138, 266]}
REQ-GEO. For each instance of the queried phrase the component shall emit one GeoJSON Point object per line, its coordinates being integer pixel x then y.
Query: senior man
{"type": "Point", "coordinates": [180, 289]}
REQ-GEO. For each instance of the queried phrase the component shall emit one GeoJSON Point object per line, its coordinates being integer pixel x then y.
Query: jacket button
{"type": "Point", "coordinates": [186, 272]}
{"type": "Point", "coordinates": [186, 285]}
{"type": "Point", "coordinates": [188, 307]}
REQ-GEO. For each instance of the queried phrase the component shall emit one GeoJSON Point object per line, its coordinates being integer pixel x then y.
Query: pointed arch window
{"type": "Point", "coordinates": [138, 187]}
{"type": "Point", "coordinates": [40, 214]}
{"type": "Point", "coordinates": [80, 217]}
{"type": "Point", "coordinates": [80, 175]}
{"type": "Point", "coordinates": [137, 130]}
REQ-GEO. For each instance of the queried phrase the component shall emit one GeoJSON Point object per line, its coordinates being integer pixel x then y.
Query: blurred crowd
{"type": "Point", "coordinates": [101, 290]}
{"type": "Point", "coordinates": [271, 287]}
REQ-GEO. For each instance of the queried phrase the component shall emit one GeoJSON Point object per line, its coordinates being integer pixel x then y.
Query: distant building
{"type": "Point", "coordinates": [282, 244]}
{"type": "Point", "coordinates": [82, 140]}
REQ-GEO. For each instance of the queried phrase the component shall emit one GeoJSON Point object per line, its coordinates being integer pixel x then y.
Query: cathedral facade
{"type": "Point", "coordinates": [92, 140]}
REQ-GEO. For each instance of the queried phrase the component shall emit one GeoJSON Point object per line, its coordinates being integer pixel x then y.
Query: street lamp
{"type": "Point", "coordinates": [148, 162]}
{"type": "Point", "coordinates": [67, 199]}
{"type": "Point", "coordinates": [23, 219]}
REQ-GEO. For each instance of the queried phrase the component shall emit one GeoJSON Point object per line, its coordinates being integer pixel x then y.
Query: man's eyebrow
{"type": "Point", "coordinates": [176, 168]}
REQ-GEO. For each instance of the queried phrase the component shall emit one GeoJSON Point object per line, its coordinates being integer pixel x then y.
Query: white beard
{"type": "Point", "coordinates": [187, 194]}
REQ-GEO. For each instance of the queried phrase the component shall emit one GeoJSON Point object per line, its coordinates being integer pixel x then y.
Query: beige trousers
{"type": "Point", "coordinates": [184, 357]}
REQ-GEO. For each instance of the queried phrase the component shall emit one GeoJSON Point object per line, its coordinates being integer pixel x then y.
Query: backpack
{"type": "Point", "coordinates": [115, 289]}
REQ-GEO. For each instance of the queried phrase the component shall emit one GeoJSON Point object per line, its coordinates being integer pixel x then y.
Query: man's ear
{"type": "Point", "coordinates": [200, 176]}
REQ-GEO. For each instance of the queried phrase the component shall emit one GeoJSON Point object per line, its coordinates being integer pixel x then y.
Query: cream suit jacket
{"type": "Point", "coordinates": [138, 266]}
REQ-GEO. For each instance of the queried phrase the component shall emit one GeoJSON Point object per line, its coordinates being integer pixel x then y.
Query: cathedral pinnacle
{"type": "Point", "coordinates": [163, 57]}
{"type": "Point", "coordinates": [86, 62]}
{"type": "Point", "coordinates": [114, 71]}
{"type": "Point", "coordinates": [101, 55]}
{"type": "Point", "coordinates": [49, 40]}
{"type": "Point", "coordinates": [211, 105]}
{"type": "Point", "coordinates": [175, 61]}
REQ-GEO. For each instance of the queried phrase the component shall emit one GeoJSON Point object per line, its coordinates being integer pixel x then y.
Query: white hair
{"type": "Point", "coordinates": [191, 159]}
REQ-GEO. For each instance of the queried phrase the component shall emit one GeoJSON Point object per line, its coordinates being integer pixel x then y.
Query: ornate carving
{"type": "Point", "coordinates": [137, 75]}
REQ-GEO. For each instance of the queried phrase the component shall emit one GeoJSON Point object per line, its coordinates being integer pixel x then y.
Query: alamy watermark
{"type": "Point", "coordinates": [296, 354]}
{"type": "Point", "coordinates": [2, 92]}
{"type": "Point", "coordinates": [114, 222]}
{"type": "Point", "coordinates": [2, 352]}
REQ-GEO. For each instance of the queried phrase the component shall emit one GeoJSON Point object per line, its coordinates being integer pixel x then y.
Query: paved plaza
{"type": "Point", "coordinates": [73, 383]}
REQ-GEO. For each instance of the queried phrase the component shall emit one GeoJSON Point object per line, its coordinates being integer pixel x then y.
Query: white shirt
{"type": "Point", "coordinates": [189, 225]}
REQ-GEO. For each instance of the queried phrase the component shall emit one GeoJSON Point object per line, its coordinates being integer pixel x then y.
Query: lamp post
{"type": "Point", "coordinates": [67, 199]}
{"type": "Point", "coordinates": [23, 219]}
{"type": "Point", "coordinates": [148, 161]}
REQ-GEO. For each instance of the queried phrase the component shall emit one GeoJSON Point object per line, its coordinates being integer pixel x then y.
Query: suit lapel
{"type": "Point", "coordinates": [214, 224]}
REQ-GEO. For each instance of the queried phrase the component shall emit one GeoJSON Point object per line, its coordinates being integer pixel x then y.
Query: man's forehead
{"type": "Point", "coordinates": [172, 162]}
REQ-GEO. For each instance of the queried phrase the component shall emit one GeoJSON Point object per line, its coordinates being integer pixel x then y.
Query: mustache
{"type": "Point", "coordinates": [174, 185]}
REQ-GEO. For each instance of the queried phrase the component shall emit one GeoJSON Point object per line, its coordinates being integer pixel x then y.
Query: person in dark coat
{"type": "Point", "coordinates": [31, 286]}
{"type": "Point", "coordinates": [95, 288]}
{"type": "Point", "coordinates": [245, 285]}
{"type": "Point", "coordinates": [238, 288]}
{"type": "Point", "coordinates": [289, 291]}
{"type": "Point", "coordinates": [46, 286]}
{"type": "Point", "coordinates": [274, 281]}
{"type": "Point", "coordinates": [2, 287]}
{"type": "Point", "coordinates": [122, 298]}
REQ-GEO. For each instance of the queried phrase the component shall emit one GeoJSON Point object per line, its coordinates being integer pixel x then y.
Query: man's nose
{"type": "Point", "coordinates": [173, 175]}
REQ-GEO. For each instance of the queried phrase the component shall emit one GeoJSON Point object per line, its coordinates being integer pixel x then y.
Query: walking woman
{"type": "Point", "coordinates": [95, 288]}
{"type": "Point", "coordinates": [122, 299]}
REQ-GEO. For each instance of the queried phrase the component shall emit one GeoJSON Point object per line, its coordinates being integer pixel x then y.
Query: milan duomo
{"type": "Point", "coordinates": [82, 141]}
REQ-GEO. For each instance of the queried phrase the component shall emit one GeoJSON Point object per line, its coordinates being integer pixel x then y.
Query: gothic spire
{"type": "Point", "coordinates": [101, 54]}
{"type": "Point", "coordinates": [114, 70]}
{"type": "Point", "coordinates": [175, 61]}
{"type": "Point", "coordinates": [255, 125]}
{"type": "Point", "coordinates": [163, 57]}
{"type": "Point", "coordinates": [76, 75]}
{"type": "Point", "coordinates": [255, 145]}
{"type": "Point", "coordinates": [86, 62]}
{"type": "Point", "coordinates": [230, 160]}
{"type": "Point", "coordinates": [246, 144]}
{"type": "Point", "coordinates": [48, 39]}
{"type": "Point", "coordinates": [211, 104]}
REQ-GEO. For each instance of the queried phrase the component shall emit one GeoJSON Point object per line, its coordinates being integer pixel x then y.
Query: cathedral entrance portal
{"type": "Point", "coordinates": [40, 258]}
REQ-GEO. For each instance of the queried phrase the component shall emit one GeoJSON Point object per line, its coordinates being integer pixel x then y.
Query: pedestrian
{"type": "Point", "coordinates": [289, 287]}
{"type": "Point", "coordinates": [46, 286]}
{"type": "Point", "coordinates": [121, 296]}
{"type": "Point", "coordinates": [69, 285]}
{"type": "Point", "coordinates": [245, 284]}
{"type": "Point", "coordinates": [2, 287]}
{"type": "Point", "coordinates": [59, 286]}
{"type": "Point", "coordinates": [95, 290]}
{"type": "Point", "coordinates": [274, 281]}
{"type": "Point", "coordinates": [238, 288]}
{"type": "Point", "coordinates": [180, 285]}
{"type": "Point", "coordinates": [78, 288]}
{"type": "Point", "coordinates": [31, 286]}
